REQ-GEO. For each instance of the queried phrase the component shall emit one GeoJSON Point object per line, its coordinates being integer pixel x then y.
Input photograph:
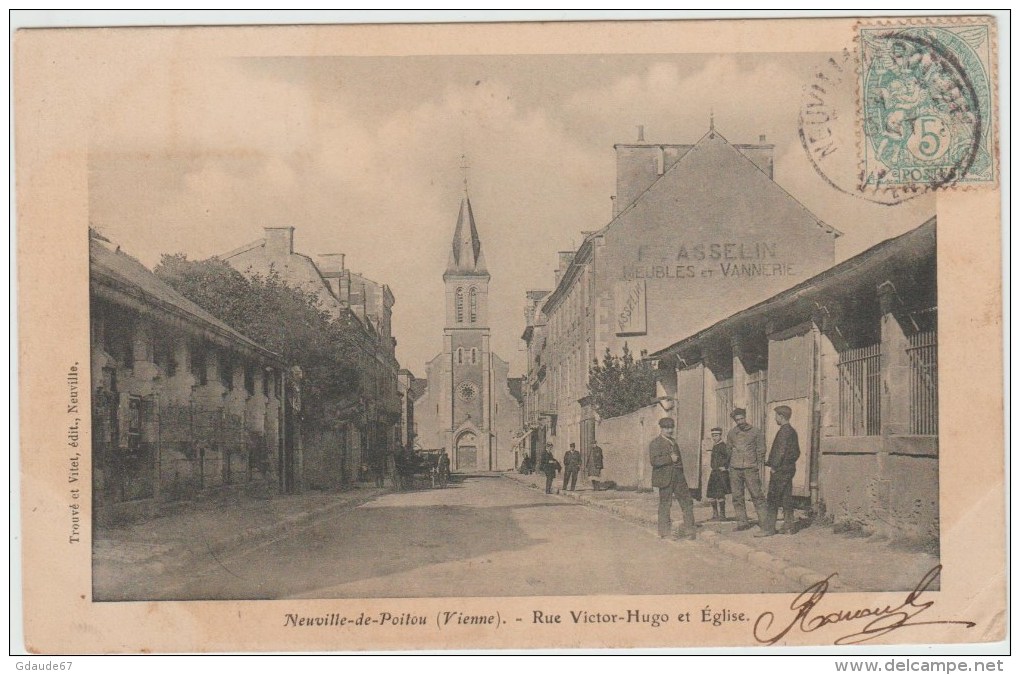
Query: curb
{"type": "Point", "coordinates": [740, 551]}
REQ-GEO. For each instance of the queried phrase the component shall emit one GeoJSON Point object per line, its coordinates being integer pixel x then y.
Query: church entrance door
{"type": "Point", "coordinates": [467, 452]}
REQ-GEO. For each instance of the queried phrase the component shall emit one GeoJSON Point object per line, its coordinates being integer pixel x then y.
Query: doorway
{"type": "Point", "coordinates": [467, 452]}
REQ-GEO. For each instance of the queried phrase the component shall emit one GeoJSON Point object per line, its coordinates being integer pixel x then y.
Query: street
{"type": "Point", "coordinates": [482, 536]}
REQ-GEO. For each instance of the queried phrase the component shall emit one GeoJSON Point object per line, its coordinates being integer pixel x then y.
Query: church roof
{"type": "Point", "coordinates": [466, 256]}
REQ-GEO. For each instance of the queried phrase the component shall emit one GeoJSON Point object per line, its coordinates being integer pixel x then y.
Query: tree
{"type": "Point", "coordinates": [286, 320]}
{"type": "Point", "coordinates": [620, 385]}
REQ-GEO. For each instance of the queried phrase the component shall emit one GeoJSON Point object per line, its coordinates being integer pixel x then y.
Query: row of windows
{"type": "Point", "coordinates": [472, 304]}
{"type": "Point", "coordinates": [572, 310]}
{"type": "Point", "coordinates": [119, 342]}
{"type": "Point", "coordinates": [473, 355]}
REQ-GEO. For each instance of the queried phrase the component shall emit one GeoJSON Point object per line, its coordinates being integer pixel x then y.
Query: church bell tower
{"type": "Point", "coordinates": [466, 343]}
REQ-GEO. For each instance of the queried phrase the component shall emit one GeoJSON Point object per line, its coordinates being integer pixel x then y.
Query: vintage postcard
{"type": "Point", "coordinates": [510, 336]}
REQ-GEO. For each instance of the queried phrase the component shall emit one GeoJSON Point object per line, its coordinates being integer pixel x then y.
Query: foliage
{"type": "Point", "coordinates": [620, 385]}
{"type": "Point", "coordinates": [286, 320]}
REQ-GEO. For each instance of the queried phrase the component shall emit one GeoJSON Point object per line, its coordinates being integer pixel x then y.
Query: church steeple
{"type": "Point", "coordinates": [466, 258]}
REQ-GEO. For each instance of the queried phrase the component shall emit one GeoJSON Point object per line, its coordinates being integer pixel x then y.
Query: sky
{"type": "Point", "coordinates": [363, 156]}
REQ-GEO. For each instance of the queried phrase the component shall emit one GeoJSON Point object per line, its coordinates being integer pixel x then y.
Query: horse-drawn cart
{"type": "Point", "coordinates": [423, 469]}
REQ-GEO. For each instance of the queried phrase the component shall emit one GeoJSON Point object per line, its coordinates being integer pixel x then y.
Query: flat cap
{"type": "Point", "coordinates": [784, 410]}
{"type": "Point", "coordinates": [738, 411]}
{"type": "Point", "coordinates": [667, 423]}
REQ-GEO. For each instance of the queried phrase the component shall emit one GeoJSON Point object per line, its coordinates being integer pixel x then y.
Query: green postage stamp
{"type": "Point", "coordinates": [926, 107]}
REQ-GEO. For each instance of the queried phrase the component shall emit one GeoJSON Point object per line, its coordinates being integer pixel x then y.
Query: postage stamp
{"type": "Point", "coordinates": [925, 105]}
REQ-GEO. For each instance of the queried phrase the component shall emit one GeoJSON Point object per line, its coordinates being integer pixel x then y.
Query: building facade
{"type": "Point", "coordinates": [366, 427]}
{"type": "Point", "coordinates": [467, 406]}
{"type": "Point", "coordinates": [853, 352]}
{"type": "Point", "coordinates": [697, 232]}
{"type": "Point", "coordinates": [181, 402]}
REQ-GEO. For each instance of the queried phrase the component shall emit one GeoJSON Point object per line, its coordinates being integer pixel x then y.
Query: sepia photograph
{"type": "Point", "coordinates": [377, 316]}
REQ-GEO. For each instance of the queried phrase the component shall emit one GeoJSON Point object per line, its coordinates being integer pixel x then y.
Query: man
{"type": "Point", "coordinates": [668, 476]}
{"type": "Point", "coordinates": [549, 466]}
{"type": "Point", "coordinates": [443, 467]}
{"type": "Point", "coordinates": [747, 455]}
{"type": "Point", "coordinates": [594, 468]}
{"type": "Point", "coordinates": [783, 463]}
{"type": "Point", "coordinates": [571, 467]}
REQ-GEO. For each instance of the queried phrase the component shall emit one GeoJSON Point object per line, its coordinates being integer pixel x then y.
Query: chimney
{"type": "Point", "coordinates": [640, 133]}
{"type": "Point", "coordinates": [331, 264]}
{"type": "Point", "coordinates": [761, 139]}
{"type": "Point", "coordinates": [279, 240]}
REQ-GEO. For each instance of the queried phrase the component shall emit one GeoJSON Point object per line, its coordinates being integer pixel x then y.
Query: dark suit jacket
{"type": "Point", "coordinates": [785, 452]}
{"type": "Point", "coordinates": [572, 459]}
{"type": "Point", "coordinates": [659, 453]}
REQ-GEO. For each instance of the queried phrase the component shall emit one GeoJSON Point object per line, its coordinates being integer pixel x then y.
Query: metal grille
{"type": "Point", "coordinates": [757, 390]}
{"type": "Point", "coordinates": [860, 391]}
{"type": "Point", "coordinates": [924, 383]}
{"type": "Point", "coordinates": [723, 402]}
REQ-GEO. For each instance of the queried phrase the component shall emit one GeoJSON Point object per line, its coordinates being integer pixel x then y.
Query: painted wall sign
{"type": "Point", "coordinates": [630, 307]}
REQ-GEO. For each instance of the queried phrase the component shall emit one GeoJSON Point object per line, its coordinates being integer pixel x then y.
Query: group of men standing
{"type": "Point", "coordinates": [736, 468]}
{"type": "Point", "coordinates": [571, 466]}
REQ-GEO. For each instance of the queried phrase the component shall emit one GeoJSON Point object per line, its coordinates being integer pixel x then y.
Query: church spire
{"type": "Point", "coordinates": [466, 257]}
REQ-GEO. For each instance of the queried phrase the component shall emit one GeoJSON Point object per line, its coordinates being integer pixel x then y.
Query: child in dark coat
{"type": "Point", "coordinates": [719, 479]}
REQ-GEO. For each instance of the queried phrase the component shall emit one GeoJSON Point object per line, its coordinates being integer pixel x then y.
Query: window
{"type": "Point", "coordinates": [460, 305]}
{"type": "Point", "coordinates": [226, 370]}
{"type": "Point", "coordinates": [860, 391]}
{"type": "Point", "coordinates": [266, 374]}
{"type": "Point", "coordinates": [923, 356]}
{"type": "Point", "coordinates": [119, 338]}
{"type": "Point", "coordinates": [249, 379]}
{"type": "Point", "coordinates": [199, 367]}
{"type": "Point", "coordinates": [460, 355]}
{"type": "Point", "coordinates": [473, 304]}
{"type": "Point", "coordinates": [163, 355]}
{"type": "Point", "coordinates": [474, 355]}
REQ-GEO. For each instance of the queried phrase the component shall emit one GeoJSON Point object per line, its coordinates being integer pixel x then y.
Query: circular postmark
{"type": "Point", "coordinates": [905, 119]}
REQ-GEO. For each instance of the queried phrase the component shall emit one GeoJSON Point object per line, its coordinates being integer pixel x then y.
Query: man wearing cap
{"type": "Point", "coordinates": [668, 476]}
{"type": "Point", "coordinates": [783, 463]}
{"type": "Point", "coordinates": [747, 455]}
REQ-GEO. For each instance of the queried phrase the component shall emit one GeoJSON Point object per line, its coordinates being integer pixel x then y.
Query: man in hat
{"type": "Point", "coordinates": [783, 463]}
{"type": "Point", "coordinates": [747, 455]}
{"type": "Point", "coordinates": [668, 476]}
{"type": "Point", "coordinates": [571, 467]}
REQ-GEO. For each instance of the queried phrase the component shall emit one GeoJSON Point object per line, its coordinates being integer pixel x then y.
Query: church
{"type": "Point", "coordinates": [469, 406]}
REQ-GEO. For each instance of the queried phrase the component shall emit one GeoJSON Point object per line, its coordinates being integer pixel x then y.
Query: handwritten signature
{"type": "Point", "coordinates": [808, 617]}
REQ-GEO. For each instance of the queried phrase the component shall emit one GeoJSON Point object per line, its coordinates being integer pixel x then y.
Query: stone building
{"type": "Point", "coordinates": [853, 351]}
{"type": "Point", "coordinates": [367, 426]}
{"type": "Point", "coordinates": [697, 232]}
{"type": "Point", "coordinates": [181, 402]}
{"type": "Point", "coordinates": [468, 407]}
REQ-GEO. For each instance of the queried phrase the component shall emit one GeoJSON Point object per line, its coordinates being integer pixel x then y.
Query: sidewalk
{"type": "Point", "coordinates": [813, 553]}
{"type": "Point", "coordinates": [197, 531]}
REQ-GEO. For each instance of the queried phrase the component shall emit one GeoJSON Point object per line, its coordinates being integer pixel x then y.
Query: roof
{"type": "Point", "coordinates": [917, 242]}
{"type": "Point", "coordinates": [516, 385]}
{"type": "Point", "coordinates": [417, 388]}
{"type": "Point", "coordinates": [466, 253]}
{"type": "Point", "coordinates": [114, 268]}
